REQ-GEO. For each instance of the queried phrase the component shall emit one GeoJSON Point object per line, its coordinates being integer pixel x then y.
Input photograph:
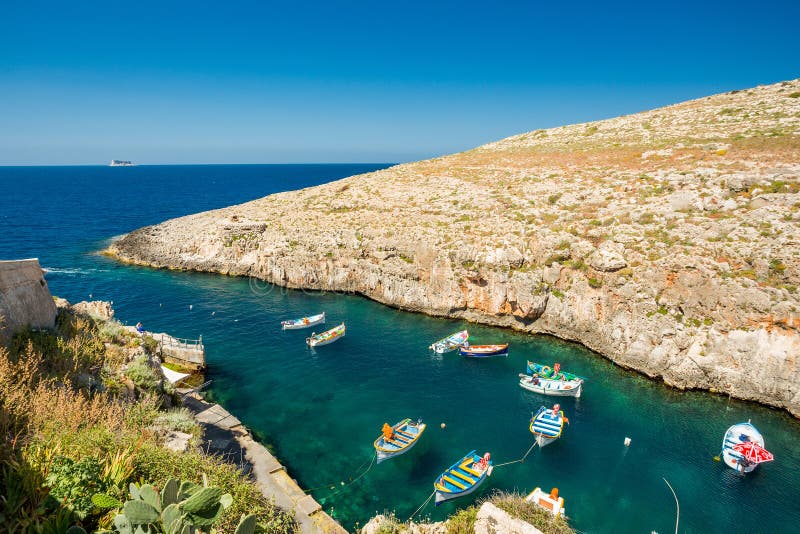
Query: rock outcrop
{"type": "Point", "coordinates": [667, 240]}
{"type": "Point", "coordinates": [25, 299]}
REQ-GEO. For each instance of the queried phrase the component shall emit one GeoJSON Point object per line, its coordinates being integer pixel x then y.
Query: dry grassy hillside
{"type": "Point", "coordinates": [666, 240]}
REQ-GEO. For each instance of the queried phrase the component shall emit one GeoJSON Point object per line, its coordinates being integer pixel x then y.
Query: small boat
{"type": "Point", "coordinates": [304, 322]}
{"type": "Point", "coordinates": [451, 342]}
{"type": "Point", "coordinates": [548, 424]}
{"type": "Point", "coordinates": [326, 337]}
{"type": "Point", "coordinates": [743, 448]}
{"type": "Point", "coordinates": [549, 381]}
{"type": "Point", "coordinates": [483, 351]}
{"type": "Point", "coordinates": [551, 502]}
{"type": "Point", "coordinates": [463, 477]}
{"type": "Point", "coordinates": [398, 439]}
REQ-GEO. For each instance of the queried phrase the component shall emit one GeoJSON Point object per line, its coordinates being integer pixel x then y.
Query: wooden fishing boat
{"type": "Point", "coordinates": [463, 477]}
{"type": "Point", "coordinates": [398, 439]}
{"type": "Point", "coordinates": [326, 337]}
{"type": "Point", "coordinates": [548, 424]}
{"type": "Point", "coordinates": [549, 381]}
{"type": "Point", "coordinates": [451, 342]}
{"type": "Point", "coordinates": [549, 502]}
{"type": "Point", "coordinates": [483, 351]}
{"type": "Point", "coordinates": [303, 322]}
{"type": "Point", "coordinates": [743, 448]}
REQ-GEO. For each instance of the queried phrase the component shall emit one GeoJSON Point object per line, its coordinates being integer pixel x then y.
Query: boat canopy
{"type": "Point", "coordinates": [753, 452]}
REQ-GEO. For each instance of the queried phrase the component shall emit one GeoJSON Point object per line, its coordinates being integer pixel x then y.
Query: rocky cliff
{"type": "Point", "coordinates": [667, 240]}
{"type": "Point", "coordinates": [25, 299]}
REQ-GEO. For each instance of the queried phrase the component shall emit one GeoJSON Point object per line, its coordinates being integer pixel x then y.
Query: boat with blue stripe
{"type": "Point", "coordinates": [483, 351]}
{"type": "Point", "coordinates": [398, 439]}
{"type": "Point", "coordinates": [735, 437]}
{"type": "Point", "coordinates": [548, 424]}
{"type": "Point", "coordinates": [463, 477]}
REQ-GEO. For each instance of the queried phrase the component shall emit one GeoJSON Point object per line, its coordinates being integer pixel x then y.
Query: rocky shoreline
{"type": "Point", "coordinates": [667, 241]}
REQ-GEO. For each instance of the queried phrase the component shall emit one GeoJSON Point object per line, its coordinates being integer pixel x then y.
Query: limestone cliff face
{"type": "Point", "coordinates": [25, 299]}
{"type": "Point", "coordinates": [667, 240]}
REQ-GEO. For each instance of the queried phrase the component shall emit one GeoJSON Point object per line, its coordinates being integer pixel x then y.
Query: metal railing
{"type": "Point", "coordinates": [183, 343]}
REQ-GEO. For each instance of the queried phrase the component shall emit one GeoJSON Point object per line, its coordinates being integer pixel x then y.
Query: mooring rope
{"type": "Point", "coordinates": [421, 506]}
{"type": "Point", "coordinates": [329, 485]}
{"type": "Point", "coordinates": [353, 481]}
{"type": "Point", "coordinates": [520, 460]}
{"type": "Point", "coordinates": [677, 504]}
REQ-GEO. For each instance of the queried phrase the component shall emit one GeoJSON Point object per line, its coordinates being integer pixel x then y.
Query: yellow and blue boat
{"type": "Point", "coordinates": [463, 477]}
{"type": "Point", "coordinates": [398, 439]}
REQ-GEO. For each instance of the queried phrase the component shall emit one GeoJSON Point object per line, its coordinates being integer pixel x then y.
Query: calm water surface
{"type": "Point", "coordinates": [320, 411]}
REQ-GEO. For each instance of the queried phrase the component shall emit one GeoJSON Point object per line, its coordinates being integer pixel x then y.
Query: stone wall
{"type": "Point", "coordinates": [24, 298]}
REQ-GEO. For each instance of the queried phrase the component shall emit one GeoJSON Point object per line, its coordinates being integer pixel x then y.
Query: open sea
{"type": "Point", "coordinates": [320, 411]}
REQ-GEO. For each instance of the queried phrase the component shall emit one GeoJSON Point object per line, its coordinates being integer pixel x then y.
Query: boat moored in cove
{"type": "Point", "coordinates": [542, 379]}
{"type": "Point", "coordinates": [551, 502]}
{"type": "Point", "coordinates": [398, 439]}
{"type": "Point", "coordinates": [463, 477]}
{"type": "Point", "coordinates": [743, 448]}
{"type": "Point", "coordinates": [451, 342]}
{"type": "Point", "coordinates": [304, 322]}
{"type": "Point", "coordinates": [327, 337]}
{"type": "Point", "coordinates": [548, 424]}
{"type": "Point", "coordinates": [483, 351]}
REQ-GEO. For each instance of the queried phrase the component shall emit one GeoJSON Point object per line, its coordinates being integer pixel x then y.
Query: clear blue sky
{"type": "Point", "coordinates": [346, 81]}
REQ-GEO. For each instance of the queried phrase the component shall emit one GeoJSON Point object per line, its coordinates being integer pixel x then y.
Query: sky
{"type": "Point", "coordinates": [172, 82]}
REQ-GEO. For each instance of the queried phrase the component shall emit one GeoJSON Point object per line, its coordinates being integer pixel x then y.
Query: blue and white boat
{"type": "Point", "coordinates": [451, 342]}
{"type": "Point", "coordinates": [303, 322]}
{"type": "Point", "coordinates": [398, 439]}
{"type": "Point", "coordinates": [743, 448]}
{"type": "Point", "coordinates": [463, 477]}
{"type": "Point", "coordinates": [548, 424]}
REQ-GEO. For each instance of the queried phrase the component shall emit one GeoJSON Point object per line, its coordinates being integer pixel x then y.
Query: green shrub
{"type": "Point", "coordinates": [463, 521]}
{"type": "Point", "coordinates": [144, 376]}
{"type": "Point", "coordinates": [150, 344]}
{"type": "Point", "coordinates": [157, 464]}
{"type": "Point", "coordinates": [73, 483]}
{"type": "Point", "coordinates": [595, 283]}
{"type": "Point", "coordinates": [179, 419]}
{"type": "Point", "coordinates": [516, 506]}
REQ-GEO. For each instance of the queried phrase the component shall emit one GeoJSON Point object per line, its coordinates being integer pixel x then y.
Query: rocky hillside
{"type": "Point", "coordinates": [668, 240]}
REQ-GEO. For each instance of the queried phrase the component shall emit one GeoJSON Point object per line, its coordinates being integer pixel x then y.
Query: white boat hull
{"type": "Point", "coordinates": [732, 437]}
{"type": "Point", "coordinates": [542, 441]}
{"type": "Point", "coordinates": [382, 455]}
{"type": "Point", "coordinates": [442, 496]}
{"type": "Point", "coordinates": [554, 388]}
{"type": "Point", "coordinates": [314, 343]}
{"type": "Point", "coordinates": [303, 325]}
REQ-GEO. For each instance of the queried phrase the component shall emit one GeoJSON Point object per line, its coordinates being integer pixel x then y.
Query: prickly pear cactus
{"type": "Point", "coordinates": [179, 508]}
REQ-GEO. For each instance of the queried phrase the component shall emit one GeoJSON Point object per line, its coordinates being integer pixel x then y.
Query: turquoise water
{"type": "Point", "coordinates": [321, 410]}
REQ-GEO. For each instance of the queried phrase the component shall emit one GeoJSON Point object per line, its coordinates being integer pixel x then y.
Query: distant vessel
{"type": "Point", "coordinates": [120, 163]}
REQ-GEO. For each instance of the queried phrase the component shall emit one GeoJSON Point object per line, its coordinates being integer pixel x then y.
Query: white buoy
{"type": "Point", "coordinates": [213, 313]}
{"type": "Point", "coordinates": [627, 442]}
{"type": "Point", "coordinates": [443, 425]}
{"type": "Point", "coordinates": [190, 307]}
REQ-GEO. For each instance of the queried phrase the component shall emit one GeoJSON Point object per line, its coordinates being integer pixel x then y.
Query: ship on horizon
{"type": "Point", "coordinates": [120, 163]}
